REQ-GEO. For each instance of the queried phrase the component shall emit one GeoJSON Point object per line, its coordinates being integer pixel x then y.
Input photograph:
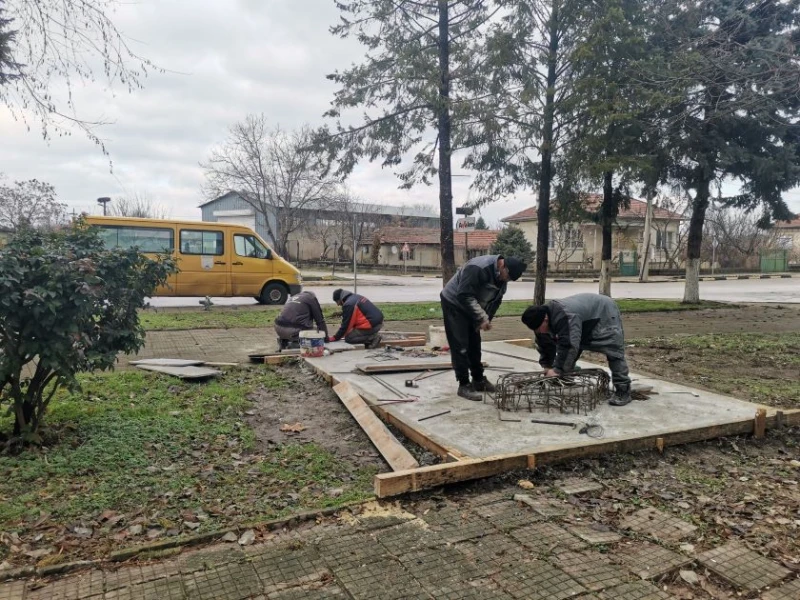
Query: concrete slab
{"type": "Point", "coordinates": [658, 525]}
{"type": "Point", "coordinates": [649, 561]}
{"type": "Point", "coordinates": [743, 567]}
{"type": "Point", "coordinates": [475, 430]}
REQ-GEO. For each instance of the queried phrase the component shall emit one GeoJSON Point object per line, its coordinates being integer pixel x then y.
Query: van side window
{"type": "Point", "coordinates": [202, 242]}
{"type": "Point", "coordinates": [146, 239]}
{"type": "Point", "coordinates": [249, 246]}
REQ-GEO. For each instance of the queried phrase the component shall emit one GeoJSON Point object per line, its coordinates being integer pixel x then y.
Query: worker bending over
{"type": "Point", "coordinates": [361, 320]}
{"type": "Point", "coordinates": [300, 313]}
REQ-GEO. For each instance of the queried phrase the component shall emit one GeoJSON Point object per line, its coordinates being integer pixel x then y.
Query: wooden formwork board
{"type": "Point", "coordinates": [401, 482]}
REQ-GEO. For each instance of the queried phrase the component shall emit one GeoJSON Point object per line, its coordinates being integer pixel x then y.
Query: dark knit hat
{"type": "Point", "coordinates": [534, 316]}
{"type": "Point", "coordinates": [515, 268]}
{"type": "Point", "coordinates": [337, 295]}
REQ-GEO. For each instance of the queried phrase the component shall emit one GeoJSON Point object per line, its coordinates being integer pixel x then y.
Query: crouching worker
{"type": "Point", "coordinates": [300, 313]}
{"type": "Point", "coordinates": [469, 302]}
{"type": "Point", "coordinates": [565, 328]}
{"type": "Point", "coordinates": [361, 320]}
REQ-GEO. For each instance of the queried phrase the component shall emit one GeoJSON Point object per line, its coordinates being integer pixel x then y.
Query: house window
{"type": "Point", "coordinates": [202, 242]}
{"type": "Point", "coordinates": [408, 255]}
{"type": "Point", "coordinates": [665, 240]}
{"type": "Point", "coordinates": [568, 237]}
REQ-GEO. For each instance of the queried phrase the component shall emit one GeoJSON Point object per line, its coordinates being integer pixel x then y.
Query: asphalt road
{"type": "Point", "coordinates": [380, 288]}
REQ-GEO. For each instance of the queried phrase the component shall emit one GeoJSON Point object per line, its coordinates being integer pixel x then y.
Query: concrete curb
{"type": "Point", "coordinates": [177, 542]}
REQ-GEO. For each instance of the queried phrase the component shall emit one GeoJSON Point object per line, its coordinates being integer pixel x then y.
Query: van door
{"type": "Point", "coordinates": [252, 265]}
{"type": "Point", "coordinates": [203, 260]}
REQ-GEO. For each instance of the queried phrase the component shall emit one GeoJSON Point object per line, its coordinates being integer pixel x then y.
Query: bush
{"type": "Point", "coordinates": [67, 305]}
{"type": "Point", "coordinates": [511, 242]}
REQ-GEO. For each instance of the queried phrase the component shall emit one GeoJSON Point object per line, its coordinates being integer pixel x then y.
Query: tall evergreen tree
{"type": "Point", "coordinates": [729, 72]}
{"type": "Point", "coordinates": [413, 88]}
{"type": "Point", "coordinates": [480, 224]}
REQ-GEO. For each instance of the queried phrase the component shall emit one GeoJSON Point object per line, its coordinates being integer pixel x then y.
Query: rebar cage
{"type": "Point", "coordinates": [578, 392]}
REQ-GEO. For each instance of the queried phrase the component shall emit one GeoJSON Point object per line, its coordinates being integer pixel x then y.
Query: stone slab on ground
{"type": "Point", "coordinates": [235, 581]}
{"type": "Point", "coordinates": [547, 509]}
{"type": "Point", "coordinates": [182, 372]}
{"type": "Point", "coordinates": [546, 538]}
{"type": "Point", "coordinates": [788, 591]}
{"type": "Point", "coordinates": [638, 590]}
{"type": "Point", "coordinates": [742, 567]}
{"type": "Point", "coordinates": [378, 577]}
{"type": "Point", "coordinates": [12, 590]}
{"type": "Point", "coordinates": [170, 588]}
{"type": "Point", "coordinates": [496, 549]}
{"type": "Point", "coordinates": [538, 580]}
{"type": "Point", "coordinates": [591, 569]}
{"type": "Point", "coordinates": [658, 525]}
{"type": "Point", "coordinates": [84, 585]}
{"type": "Point", "coordinates": [649, 561]}
{"type": "Point", "coordinates": [595, 534]}
{"type": "Point", "coordinates": [578, 486]}
{"type": "Point", "coordinates": [455, 524]}
{"type": "Point", "coordinates": [507, 515]}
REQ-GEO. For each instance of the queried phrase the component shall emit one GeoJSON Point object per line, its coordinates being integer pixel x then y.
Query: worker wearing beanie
{"type": "Point", "coordinates": [565, 328]}
{"type": "Point", "coordinates": [469, 302]}
{"type": "Point", "coordinates": [361, 320]}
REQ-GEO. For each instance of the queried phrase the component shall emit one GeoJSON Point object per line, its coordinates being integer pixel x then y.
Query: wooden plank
{"type": "Point", "coordinates": [416, 436]}
{"type": "Point", "coordinates": [167, 362]}
{"type": "Point", "coordinates": [407, 343]}
{"type": "Point", "coordinates": [182, 372]}
{"type": "Point", "coordinates": [399, 366]}
{"type": "Point", "coordinates": [393, 451]}
{"type": "Point", "coordinates": [760, 425]}
{"type": "Point", "coordinates": [391, 484]}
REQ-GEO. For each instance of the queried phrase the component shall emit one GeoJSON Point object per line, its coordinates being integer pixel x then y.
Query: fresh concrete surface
{"type": "Point", "coordinates": [475, 429]}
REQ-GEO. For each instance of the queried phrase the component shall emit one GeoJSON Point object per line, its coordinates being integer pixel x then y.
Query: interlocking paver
{"type": "Point", "coordinates": [658, 525]}
{"type": "Point", "coordinates": [285, 566]}
{"type": "Point", "coordinates": [547, 509]}
{"type": "Point", "coordinates": [210, 558]}
{"type": "Point", "coordinates": [456, 524]}
{"type": "Point", "coordinates": [483, 498]}
{"type": "Point", "coordinates": [12, 591]}
{"type": "Point", "coordinates": [788, 591]}
{"type": "Point", "coordinates": [637, 590]}
{"type": "Point", "coordinates": [546, 538]}
{"type": "Point", "coordinates": [408, 536]}
{"type": "Point", "coordinates": [84, 585]}
{"type": "Point", "coordinates": [507, 515]}
{"type": "Point", "coordinates": [649, 561]}
{"type": "Point", "coordinates": [227, 582]}
{"type": "Point", "coordinates": [131, 576]}
{"type": "Point", "coordinates": [577, 486]}
{"type": "Point", "coordinates": [443, 572]}
{"type": "Point", "coordinates": [591, 569]}
{"type": "Point", "coordinates": [330, 591]}
{"type": "Point", "coordinates": [383, 578]}
{"type": "Point", "coordinates": [170, 588]}
{"type": "Point", "coordinates": [743, 567]}
{"type": "Point", "coordinates": [595, 534]}
{"type": "Point", "coordinates": [495, 549]}
{"type": "Point", "coordinates": [350, 550]}
{"type": "Point", "coordinates": [538, 580]}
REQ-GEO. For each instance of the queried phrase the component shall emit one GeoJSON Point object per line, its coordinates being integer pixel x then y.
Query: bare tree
{"type": "Point", "coordinates": [565, 240]}
{"type": "Point", "coordinates": [61, 41]}
{"type": "Point", "coordinates": [669, 245]}
{"type": "Point", "coordinates": [138, 204]}
{"type": "Point", "coordinates": [30, 203]}
{"type": "Point", "coordinates": [738, 235]}
{"type": "Point", "coordinates": [279, 173]}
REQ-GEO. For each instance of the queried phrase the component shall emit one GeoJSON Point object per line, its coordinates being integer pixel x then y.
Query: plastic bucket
{"type": "Point", "coordinates": [312, 343]}
{"type": "Point", "coordinates": [437, 337]}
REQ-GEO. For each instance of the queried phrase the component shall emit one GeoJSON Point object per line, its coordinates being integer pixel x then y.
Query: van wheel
{"type": "Point", "coordinates": [273, 293]}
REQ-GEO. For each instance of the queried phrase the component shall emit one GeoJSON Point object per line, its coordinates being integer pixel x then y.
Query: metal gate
{"type": "Point", "coordinates": [774, 261]}
{"type": "Point", "coordinates": [628, 263]}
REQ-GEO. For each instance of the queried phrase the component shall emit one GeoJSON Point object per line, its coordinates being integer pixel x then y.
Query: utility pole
{"type": "Point", "coordinates": [355, 259]}
{"type": "Point", "coordinates": [103, 201]}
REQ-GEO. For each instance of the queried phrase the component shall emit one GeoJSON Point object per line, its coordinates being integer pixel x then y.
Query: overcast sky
{"type": "Point", "coordinates": [224, 59]}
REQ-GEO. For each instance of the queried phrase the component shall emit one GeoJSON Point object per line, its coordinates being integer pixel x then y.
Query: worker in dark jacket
{"type": "Point", "coordinates": [300, 313]}
{"type": "Point", "coordinates": [361, 320]}
{"type": "Point", "coordinates": [469, 302]}
{"type": "Point", "coordinates": [565, 328]}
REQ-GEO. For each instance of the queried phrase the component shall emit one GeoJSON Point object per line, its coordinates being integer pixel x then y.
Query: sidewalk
{"type": "Point", "coordinates": [463, 546]}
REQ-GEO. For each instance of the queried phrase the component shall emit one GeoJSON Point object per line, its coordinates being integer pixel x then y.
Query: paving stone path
{"type": "Point", "coordinates": [465, 546]}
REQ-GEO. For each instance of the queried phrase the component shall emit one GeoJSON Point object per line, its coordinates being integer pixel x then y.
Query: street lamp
{"type": "Point", "coordinates": [104, 200]}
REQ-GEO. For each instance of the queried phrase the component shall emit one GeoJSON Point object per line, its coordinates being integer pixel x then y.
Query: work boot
{"type": "Point", "coordinates": [373, 342]}
{"type": "Point", "coordinates": [620, 397]}
{"type": "Point", "coordinates": [484, 385]}
{"type": "Point", "coordinates": [465, 390]}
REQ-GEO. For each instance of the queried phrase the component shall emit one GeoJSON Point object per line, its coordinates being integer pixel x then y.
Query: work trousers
{"type": "Point", "coordinates": [290, 334]}
{"type": "Point", "coordinates": [363, 336]}
{"type": "Point", "coordinates": [618, 366]}
{"type": "Point", "coordinates": [464, 339]}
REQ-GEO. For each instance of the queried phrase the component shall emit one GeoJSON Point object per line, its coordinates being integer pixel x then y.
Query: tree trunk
{"type": "Point", "coordinates": [691, 294]}
{"type": "Point", "coordinates": [648, 220]}
{"type": "Point", "coordinates": [445, 173]}
{"type": "Point", "coordinates": [607, 215]}
{"type": "Point", "coordinates": [27, 416]}
{"type": "Point", "coordinates": [543, 212]}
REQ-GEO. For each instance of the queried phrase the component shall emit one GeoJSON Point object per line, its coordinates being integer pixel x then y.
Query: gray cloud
{"type": "Point", "coordinates": [222, 60]}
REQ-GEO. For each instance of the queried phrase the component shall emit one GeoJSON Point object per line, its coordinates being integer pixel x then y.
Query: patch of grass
{"type": "Point", "coordinates": [227, 318]}
{"type": "Point", "coordinates": [151, 447]}
{"type": "Point", "coordinates": [757, 367]}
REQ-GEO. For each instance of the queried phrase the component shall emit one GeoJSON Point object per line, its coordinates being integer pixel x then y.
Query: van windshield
{"type": "Point", "coordinates": [249, 246]}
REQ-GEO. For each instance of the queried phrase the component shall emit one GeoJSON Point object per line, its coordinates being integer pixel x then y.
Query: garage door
{"type": "Point", "coordinates": [245, 220]}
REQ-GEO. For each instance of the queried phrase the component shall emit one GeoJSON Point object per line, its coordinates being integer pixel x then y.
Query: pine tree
{"type": "Point", "coordinates": [511, 241]}
{"type": "Point", "coordinates": [480, 224]}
